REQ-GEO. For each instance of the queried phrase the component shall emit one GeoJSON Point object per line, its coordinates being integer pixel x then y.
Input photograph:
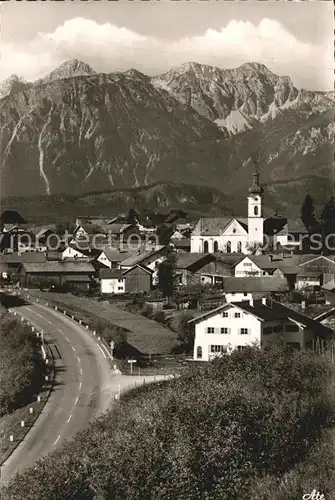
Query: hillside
{"type": "Point", "coordinates": [76, 131]}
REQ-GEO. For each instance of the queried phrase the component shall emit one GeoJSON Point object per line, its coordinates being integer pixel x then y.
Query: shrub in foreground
{"type": "Point", "coordinates": [213, 433]}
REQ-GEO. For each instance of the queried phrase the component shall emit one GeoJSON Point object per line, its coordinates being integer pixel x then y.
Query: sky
{"type": "Point", "coordinates": [290, 38]}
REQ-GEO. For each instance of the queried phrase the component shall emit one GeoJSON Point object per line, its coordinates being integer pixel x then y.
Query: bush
{"type": "Point", "coordinates": [147, 311]}
{"type": "Point", "coordinates": [159, 316]}
{"type": "Point", "coordinates": [21, 368]}
{"type": "Point", "coordinates": [216, 432]}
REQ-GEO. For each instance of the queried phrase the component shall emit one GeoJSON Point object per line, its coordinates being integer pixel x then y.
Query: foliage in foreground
{"type": "Point", "coordinates": [218, 432]}
{"type": "Point", "coordinates": [21, 368]}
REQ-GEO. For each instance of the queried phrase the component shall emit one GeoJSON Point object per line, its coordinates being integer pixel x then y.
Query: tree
{"type": "Point", "coordinates": [186, 332]}
{"type": "Point", "coordinates": [132, 217]}
{"type": "Point", "coordinates": [167, 275]}
{"type": "Point", "coordinates": [328, 225]}
{"type": "Point", "coordinates": [307, 212]}
{"type": "Point", "coordinates": [164, 233]}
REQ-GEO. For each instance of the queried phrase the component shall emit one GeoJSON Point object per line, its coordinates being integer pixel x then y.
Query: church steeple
{"type": "Point", "coordinates": [255, 188]}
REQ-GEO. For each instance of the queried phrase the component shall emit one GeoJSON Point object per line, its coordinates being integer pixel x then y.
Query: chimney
{"type": "Point", "coordinates": [264, 301]}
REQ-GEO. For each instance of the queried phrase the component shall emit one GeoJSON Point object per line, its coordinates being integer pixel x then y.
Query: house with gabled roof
{"type": "Point", "coordinates": [235, 325]}
{"type": "Point", "coordinates": [136, 279]}
{"type": "Point", "coordinates": [200, 268]}
{"type": "Point", "coordinates": [255, 287]}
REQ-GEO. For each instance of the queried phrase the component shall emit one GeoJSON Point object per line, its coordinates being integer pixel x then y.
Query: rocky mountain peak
{"type": "Point", "coordinates": [11, 85]}
{"type": "Point", "coordinates": [69, 69]}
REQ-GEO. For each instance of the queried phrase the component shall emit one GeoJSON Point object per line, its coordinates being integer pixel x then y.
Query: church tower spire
{"type": "Point", "coordinates": [255, 219]}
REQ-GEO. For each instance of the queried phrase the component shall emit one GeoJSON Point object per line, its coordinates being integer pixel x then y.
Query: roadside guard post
{"type": "Point", "coordinates": [131, 361]}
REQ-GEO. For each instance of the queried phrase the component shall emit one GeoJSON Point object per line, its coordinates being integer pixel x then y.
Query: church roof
{"type": "Point", "coordinates": [214, 226]}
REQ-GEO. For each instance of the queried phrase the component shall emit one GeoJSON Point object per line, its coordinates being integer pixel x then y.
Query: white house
{"type": "Point", "coordinates": [72, 253]}
{"type": "Point", "coordinates": [238, 324]}
{"type": "Point", "coordinates": [229, 234]}
{"type": "Point", "coordinates": [112, 281]}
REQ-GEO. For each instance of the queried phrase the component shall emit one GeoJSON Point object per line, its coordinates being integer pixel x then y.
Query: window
{"type": "Point", "coordinates": [241, 348]}
{"type": "Point", "coordinates": [205, 246]}
{"type": "Point", "coordinates": [225, 314]}
{"type": "Point", "coordinates": [224, 330]}
{"type": "Point", "coordinates": [249, 264]}
{"type": "Point", "coordinates": [218, 348]}
{"type": "Point", "coordinates": [120, 280]}
{"type": "Point", "coordinates": [256, 210]}
{"type": "Point", "coordinates": [277, 329]}
{"type": "Point", "coordinates": [237, 315]}
{"type": "Point", "coordinates": [292, 328]}
{"type": "Point", "coordinates": [245, 294]}
{"type": "Point", "coordinates": [120, 287]}
{"type": "Point", "coordinates": [210, 329]}
{"type": "Point", "coordinates": [199, 352]}
{"type": "Point", "coordinates": [228, 247]}
{"type": "Point", "coordinates": [239, 247]}
{"type": "Point", "coordinates": [216, 246]}
{"type": "Point", "coordinates": [244, 331]}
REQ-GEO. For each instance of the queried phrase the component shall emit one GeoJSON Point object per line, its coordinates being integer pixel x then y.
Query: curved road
{"type": "Point", "coordinates": [81, 392]}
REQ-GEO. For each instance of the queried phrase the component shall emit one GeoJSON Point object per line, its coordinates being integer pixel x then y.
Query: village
{"type": "Point", "coordinates": [243, 280]}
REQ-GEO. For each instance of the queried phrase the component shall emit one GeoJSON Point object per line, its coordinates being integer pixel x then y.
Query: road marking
{"type": "Point", "coordinates": [79, 385]}
{"type": "Point", "coordinates": [107, 351]}
{"type": "Point", "coordinates": [81, 371]}
{"type": "Point", "coordinates": [28, 308]}
{"type": "Point", "coordinates": [74, 348]}
{"type": "Point", "coordinates": [68, 420]}
{"type": "Point", "coordinates": [59, 330]}
{"type": "Point", "coordinates": [67, 338]}
{"type": "Point", "coordinates": [76, 401]}
{"type": "Point", "coordinates": [50, 322]}
{"type": "Point", "coordinates": [57, 440]}
{"type": "Point", "coordinates": [78, 358]}
{"type": "Point", "coordinates": [40, 315]}
{"type": "Point", "coordinates": [102, 351]}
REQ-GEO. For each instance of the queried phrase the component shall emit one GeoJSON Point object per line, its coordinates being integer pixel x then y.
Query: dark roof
{"type": "Point", "coordinates": [231, 259]}
{"type": "Point", "coordinates": [272, 311]}
{"type": "Point", "coordinates": [116, 228]}
{"type": "Point", "coordinates": [110, 273]}
{"type": "Point", "coordinates": [114, 255]}
{"type": "Point", "coordinates": [186, 260]}
{"type": "Point", "coordinates": [19, 258]}
{"type": "Point", "coordinates": [78, 278]}
{"type": "Point", "coordinates": [59, 267]}
{"type": "Point", "coordinates": [11, 217]}
{"type": "Point", "coordinates": [214, 226]}
{"type": "Point", "coordinates": [181, 243]}
{"type": "Point", "coordinates": [137, 258]}
{"type": "Point", "coordinates": [281, 225]}
{"type": "Point", "coordinates": [140, 266]}
{"type": "Point", "coordinates": [254, 284]}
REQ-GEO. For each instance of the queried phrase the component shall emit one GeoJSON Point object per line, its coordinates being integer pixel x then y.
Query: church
{"type": "Point", "coordinates": [246, 234]}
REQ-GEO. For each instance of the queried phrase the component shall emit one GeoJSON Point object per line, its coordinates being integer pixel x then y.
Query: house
{"type": "Point", "coordinates": [329, 292]}
{"type": "Point", "coordinates": [235, 325]}
{"type": "Point", "coordinates": [244, 288]}
{"type": "Point", "coordinates": [137, 279]}
{"type": "Point", "coordinates": [256, 265]}
{"type": "Point", "coordinates": [181, 244]}
{"type": "Point", "coordinates": [246, 234]}
{"type": "Point", "coordinates": [12, 261]}
{"type": "Point", "coordinates": [59, 273]}
{"type": "Point", "coordinates": [315, 270]}
{"type": "Point", "coordinates": [72, 252]}
{"type": "Point", "coordinates": [290, 233]}
{"type": "Point", "coordinates": [147, 258]}
{"type": "Point", "coordinates": [112, 257]}
{"type": "Point", "coordinates": [204, 268]}
{"type": "Point", "coordinates": [111, 281]}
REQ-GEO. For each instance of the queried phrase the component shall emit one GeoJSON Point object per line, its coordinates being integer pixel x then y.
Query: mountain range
{"type": "Point", "coordinates": [76, 131]}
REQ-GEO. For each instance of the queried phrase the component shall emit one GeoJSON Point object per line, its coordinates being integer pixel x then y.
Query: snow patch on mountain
{"type": "Point", "coordinates": [11, 85]}
{"type": "Point", "coordinates": [236, 122]}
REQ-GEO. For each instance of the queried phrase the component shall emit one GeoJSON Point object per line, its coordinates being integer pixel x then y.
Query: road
{"type": "Point", "coordinates": [82, 390]}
